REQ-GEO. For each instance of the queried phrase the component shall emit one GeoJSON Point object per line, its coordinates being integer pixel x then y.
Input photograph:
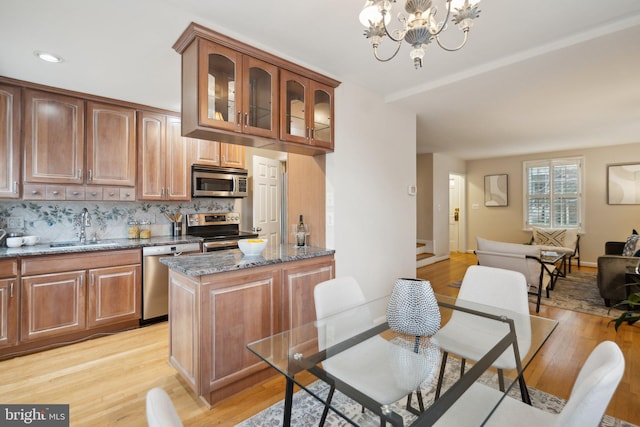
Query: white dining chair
{"type": "Point", "coordinates": [382, 370]}
{"type": "Point", "coordinates": [160, 409]}
{"type": "Point", "coordinates": [592, 391]}
{"type": "Point", "coordinates": [471, 337]}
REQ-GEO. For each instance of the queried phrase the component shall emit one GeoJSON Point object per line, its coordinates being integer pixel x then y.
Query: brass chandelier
{"type": "Point", "coordinates": [423, 24]}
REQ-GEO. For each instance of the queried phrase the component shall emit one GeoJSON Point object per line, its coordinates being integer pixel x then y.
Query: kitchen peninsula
{"type": "Point", "coordinates": [220, 301]}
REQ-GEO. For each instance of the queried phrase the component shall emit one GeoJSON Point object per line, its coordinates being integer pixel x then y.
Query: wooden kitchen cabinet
{"type": "Point", "coordinates": [53, 138]}
{"type": "Point", "coordinates": [111, 145]}
{"type": "Point", "coordinates": [114, 294]}
{"type": "Point", "coordinates": [213, 317]}
{"type": "Point", "coordinates": [233, 93]}
{"type": "Point", "coordinates": [215, 153]}
{"type": "Point", "coordinates": [55, 146]}
{"type": "Point", "coordinates": [9, 297]}
{"type": "Point", "coordinates": [163, 168]}
{"type": "Point", "coordinates": [52, 305]}
{"type": "Point", "coordinates": [10, 105]}
{"type": "Point", "coordinates": [73, 295]}
{"type": "Point", "coordinates": [306, 114]}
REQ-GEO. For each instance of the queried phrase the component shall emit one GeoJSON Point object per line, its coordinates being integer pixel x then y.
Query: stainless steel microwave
{"type": "Point", "coordinates": [211, 181]}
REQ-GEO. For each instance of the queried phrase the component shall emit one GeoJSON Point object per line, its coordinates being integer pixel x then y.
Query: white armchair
{"type": "Point", "coordinates": [524, 259]}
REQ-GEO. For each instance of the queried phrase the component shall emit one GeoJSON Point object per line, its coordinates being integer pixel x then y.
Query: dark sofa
{"type": "Point", "coordinates": [611, 270]}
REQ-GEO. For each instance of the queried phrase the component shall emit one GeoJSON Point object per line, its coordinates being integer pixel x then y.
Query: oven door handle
{"type": "Point", "coordinates": [218, 244]}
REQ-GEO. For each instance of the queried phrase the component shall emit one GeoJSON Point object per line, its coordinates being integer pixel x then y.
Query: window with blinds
{"type": "Point", "coordinates": [553, 193]}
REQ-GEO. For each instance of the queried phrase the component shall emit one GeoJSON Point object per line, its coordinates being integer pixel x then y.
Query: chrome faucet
{"type": "Point", "coordinates": [85, 221]}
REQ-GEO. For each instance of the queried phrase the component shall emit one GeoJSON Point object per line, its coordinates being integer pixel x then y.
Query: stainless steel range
{"type": "Point", "coordinates": [219, 230]}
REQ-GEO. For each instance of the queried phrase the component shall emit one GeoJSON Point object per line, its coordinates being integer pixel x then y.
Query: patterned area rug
{"type": "Point", "coordinates": [307, 410]}
{"type": "Point", "coordinates": [577, 292]}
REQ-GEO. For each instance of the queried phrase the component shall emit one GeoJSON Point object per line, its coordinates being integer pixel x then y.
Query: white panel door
{"type": "Point", "coordinates": [267, 191]}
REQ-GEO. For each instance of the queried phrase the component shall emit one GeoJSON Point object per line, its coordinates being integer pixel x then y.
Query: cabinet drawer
{"type": "Point", "coordinates": [70, 262]}
{"type": "Point", "coordinates": [93, 193]}
{"type": "Point", "coordinates": [56, 192]}
{"type": "Point", "coordinates": [74, 193]}
{"type": "Point", "coordinates": [8, 268]}
{"type": "Point", "coordinates": [35, 191]}
{"type": "Point", "coordinates": [111, 193]}
{"type": "Point", "coordinates": [128, 194]}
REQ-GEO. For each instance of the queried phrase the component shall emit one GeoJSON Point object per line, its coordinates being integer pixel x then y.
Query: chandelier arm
{"type": "Point", "coordinates": [388, 33]}
{"type": "Point", "coordinates": [464, 41]}
{"type": "Point", "coordinates": [375, 52]}
{"type": "Point", "coordinates": [444, 22]}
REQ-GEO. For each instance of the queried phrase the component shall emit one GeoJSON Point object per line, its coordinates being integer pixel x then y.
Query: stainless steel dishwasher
{"type": "Point", "coordinates": [155, 279]}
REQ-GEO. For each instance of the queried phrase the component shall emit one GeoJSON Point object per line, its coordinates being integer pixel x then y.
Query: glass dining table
{"type": "Point", "coordinates": [357, 354]}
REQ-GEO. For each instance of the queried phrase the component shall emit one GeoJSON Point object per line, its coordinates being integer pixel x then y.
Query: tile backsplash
{"type": "Point", "coordinates": [60, 221]}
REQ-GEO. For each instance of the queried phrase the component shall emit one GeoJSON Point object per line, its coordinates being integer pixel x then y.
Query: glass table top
{"type": "Point", "coordinates": [359, 354]}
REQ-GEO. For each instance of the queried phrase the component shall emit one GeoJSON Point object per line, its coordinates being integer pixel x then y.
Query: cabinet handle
{"type": "Point", "coordinates": [111, 194]}
{"type": "Point", "coordinates": [313, 133]}
{"type": "Point", "coordinates": [55, 193]}
{"type": "Point", "coordinates": [309, 133]}
{"type": "Point", "coordinates": [162, 192]}
{"type": "Point", "coordinates": [75, 193]}
{"type": "Point", "coordinates": [11, 290]}
{"type": "Point", "coordinates": [90, 175]}
{"type": "Point", "coordinates": [239, 118]}
{"type": "Point", "coordinates": [34, 192]}
{"type": "Point", "coordinates": [79, 173]}
{"type": "Point", "coordinates": [15, 187]}
{"type": "Point", "coordinates": [93, 193]}
{"type": "Point", "coordinates": [246, 119]}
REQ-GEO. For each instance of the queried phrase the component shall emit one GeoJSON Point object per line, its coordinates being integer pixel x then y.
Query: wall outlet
{"type": "Point", "coordinates": [15, 222]}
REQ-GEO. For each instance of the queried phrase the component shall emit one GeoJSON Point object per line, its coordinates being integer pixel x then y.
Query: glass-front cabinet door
{"type": "Point", "coordinates": [322, 115]}
{"type": "Point", "coordinates": [220, 91]}
{"type": "Point", "coordinates": [260, 101]}
{"type": "Point", "coordinates": [294, 90]}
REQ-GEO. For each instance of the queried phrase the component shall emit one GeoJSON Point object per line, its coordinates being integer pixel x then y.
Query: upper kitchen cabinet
{"type": "Point", "coordinates": [214, 153]}
{"type": "Point", "coordinates": [54, 138]}
{"type": "Point", "coordinates": [236, 93]}
{"type": "Point", "coordinates": [306, 114]}
{"type": "Point", "coordinates": [163, 169]}
{"type": "Point", "coordinates": [232, 93]}
{"type": "Point", "coordinates": [111, 145]}
{"type": "Point", "coordinates": [55, 143]}
{"type": "Point", "coordinates": [9, 141]}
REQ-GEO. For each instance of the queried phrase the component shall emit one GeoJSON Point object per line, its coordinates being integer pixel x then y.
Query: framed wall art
{"type": "Point", "coordinates": [623, 184]}
{"type": "Point", "coordinates": [496, 190]}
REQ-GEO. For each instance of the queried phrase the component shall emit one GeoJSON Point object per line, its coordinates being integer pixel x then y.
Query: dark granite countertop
{"type": "Point", "coordinates": [102, 245]}
{"type": "Point", "coordinates": [234, 259]}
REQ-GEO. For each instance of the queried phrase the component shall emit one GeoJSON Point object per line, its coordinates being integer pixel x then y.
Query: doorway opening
{"type": "Point", "coordinates": [457, 214]}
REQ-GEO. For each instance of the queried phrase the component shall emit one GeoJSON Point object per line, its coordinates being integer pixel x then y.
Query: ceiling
{"type": "Point", "coordinates": [534, 76]}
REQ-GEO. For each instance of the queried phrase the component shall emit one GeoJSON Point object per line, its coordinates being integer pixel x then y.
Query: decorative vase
{"type": "Point", "coordinates": [413, 308]}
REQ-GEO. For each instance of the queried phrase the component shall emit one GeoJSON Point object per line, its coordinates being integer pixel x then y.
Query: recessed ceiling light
{"type": "Point", "coordinates": [46, 56]}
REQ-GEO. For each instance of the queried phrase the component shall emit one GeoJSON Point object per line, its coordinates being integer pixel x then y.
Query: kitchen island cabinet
{"type": "Point", "coordinates": [220, 301]}
{"type": "Point", "coordinates": [8, 302]}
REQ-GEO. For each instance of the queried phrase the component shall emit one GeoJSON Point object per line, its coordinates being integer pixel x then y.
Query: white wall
{"type": "Point", "coordinates": [371, 219]}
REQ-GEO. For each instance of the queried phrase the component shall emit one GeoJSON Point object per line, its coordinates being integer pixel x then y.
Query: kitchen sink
{"type": "Point", "coordinates": [92, 244]}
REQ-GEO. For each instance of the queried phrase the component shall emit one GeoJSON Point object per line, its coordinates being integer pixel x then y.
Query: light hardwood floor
{"type": "Point", "coordinates": [105, 380]}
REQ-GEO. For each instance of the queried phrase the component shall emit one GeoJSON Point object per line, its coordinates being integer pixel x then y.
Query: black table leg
{"type": "Point", "coordinates": [288, 402]}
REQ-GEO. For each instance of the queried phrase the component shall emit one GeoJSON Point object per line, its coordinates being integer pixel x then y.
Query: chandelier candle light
{"type": "Point", "coordinates": [420, 28]}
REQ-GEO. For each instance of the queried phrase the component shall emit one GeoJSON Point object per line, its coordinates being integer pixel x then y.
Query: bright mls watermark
{"type": "Point", "coordinates": [34, 415]}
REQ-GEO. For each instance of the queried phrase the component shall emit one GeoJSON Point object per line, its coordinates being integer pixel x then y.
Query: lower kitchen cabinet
{"type": "Point", "coordinates": [72, 296]}
{"type": "Point", "coordinates": [52, 304]}
{"type": "Point", "coordinates": [9, 294]}
{"type": "Point", "coordinates": [114, 294]}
